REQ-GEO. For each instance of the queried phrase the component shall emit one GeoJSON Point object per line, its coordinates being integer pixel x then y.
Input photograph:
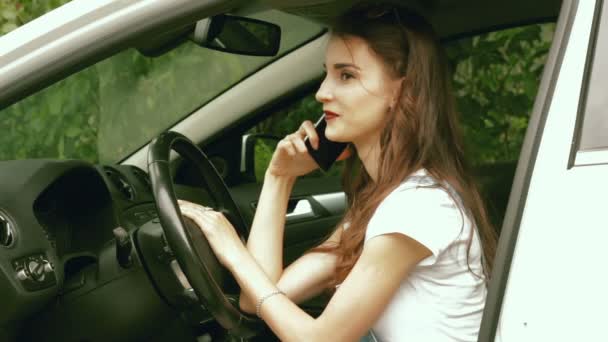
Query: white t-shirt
{"type": "Point", "coordinates": [440, 300]}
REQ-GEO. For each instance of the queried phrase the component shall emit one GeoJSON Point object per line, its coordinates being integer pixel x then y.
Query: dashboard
{"type": "Point", "coordinates": [56, 221]}
{"type": "Point", "coordinates": [61, 277]}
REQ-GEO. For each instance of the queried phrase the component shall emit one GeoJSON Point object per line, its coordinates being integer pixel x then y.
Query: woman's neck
{"type": "Point", "coordinates": [369, 153]}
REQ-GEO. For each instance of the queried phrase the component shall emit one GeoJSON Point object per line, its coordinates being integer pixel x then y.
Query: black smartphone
{"type": "Point", "coordinates": [328, 150]}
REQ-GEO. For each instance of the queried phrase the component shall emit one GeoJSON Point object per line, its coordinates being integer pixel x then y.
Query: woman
{"type": "Point", "coordinates": [411, 257]}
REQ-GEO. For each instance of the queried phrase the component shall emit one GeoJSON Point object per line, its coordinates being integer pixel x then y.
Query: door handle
{"type": "Point", "coordinates": [302, 209]}
{"type": "Point", "coordinates": [321, 205]}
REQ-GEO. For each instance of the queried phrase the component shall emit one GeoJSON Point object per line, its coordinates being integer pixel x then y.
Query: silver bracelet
{"type": "Point", "coordinates": [258, 306]}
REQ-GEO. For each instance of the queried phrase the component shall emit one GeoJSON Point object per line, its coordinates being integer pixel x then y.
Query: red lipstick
{"type": "Point", "coordinates": [330, 115]}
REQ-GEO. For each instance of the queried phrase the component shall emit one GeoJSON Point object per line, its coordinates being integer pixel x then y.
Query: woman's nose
{"type": "Point", "coordinates": [324, 94]}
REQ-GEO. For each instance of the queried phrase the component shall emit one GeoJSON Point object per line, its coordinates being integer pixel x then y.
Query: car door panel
{"type": "Point", "coordinates": [326, 202]}
{"type": "Point", "coordinates": [324, 207]}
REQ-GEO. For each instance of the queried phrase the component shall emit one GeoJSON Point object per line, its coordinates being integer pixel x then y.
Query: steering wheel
{"type": "Point", "coordinates": [208, 278]}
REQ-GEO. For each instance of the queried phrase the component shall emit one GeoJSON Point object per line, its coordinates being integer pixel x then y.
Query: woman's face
{"type": "Point", "coordinates": [357, 89]}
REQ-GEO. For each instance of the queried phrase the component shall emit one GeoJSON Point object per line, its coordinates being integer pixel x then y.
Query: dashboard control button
{"type": "Point", "coordinates": [124, 247]}
{"type": "Point", "coordinates": [22, 275]}
{"type": "Point", "coordinates": [35, 272]}
{"type": "Point", "coordinates": [36, 268]}
{"type": "Point", "coordinates": [48, 267]}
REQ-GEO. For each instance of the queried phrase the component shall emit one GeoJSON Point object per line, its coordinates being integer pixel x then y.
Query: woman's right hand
{"type": "Point", "coordinates": [291, 158]}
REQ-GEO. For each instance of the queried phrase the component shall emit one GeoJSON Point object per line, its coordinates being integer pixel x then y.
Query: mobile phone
{"type": "Point", "coordinates": [328, 150]}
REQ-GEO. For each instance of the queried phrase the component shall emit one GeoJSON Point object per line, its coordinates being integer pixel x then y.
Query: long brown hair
{"type": "Point", "coordinates": [422, 131]}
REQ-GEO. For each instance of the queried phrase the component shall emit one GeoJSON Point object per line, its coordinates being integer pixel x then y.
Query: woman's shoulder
{"type": "Point", "coordinates": [421, 177]}
{"type": "Point", "coordinates": [421, 208]}
{"type": "Point", "coordinates": [422, 189]}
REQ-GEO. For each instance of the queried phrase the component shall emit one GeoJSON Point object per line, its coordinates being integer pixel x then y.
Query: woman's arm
{"type": "Point", "coordinates": [385, 262]}
{"type": "Point", "coordinates": [306, 277]}
{"type": "Point", "coordinates": [265, 241]}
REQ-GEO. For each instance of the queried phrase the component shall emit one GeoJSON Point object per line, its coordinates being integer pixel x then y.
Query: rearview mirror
{"type": "Point", "coordinates": [239, 35]}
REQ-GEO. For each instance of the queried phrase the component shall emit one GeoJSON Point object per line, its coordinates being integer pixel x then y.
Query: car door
{"type": "Point", "coordinates": [550, 277]}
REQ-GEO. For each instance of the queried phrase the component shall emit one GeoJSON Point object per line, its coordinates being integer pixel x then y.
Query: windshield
{"type": "Point", "coordinates": [107, 111]}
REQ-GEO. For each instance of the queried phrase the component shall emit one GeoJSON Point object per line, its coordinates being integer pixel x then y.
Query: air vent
{"type": "Point", "coordinates": [120, 183]}
{"type": "Point", "coordinates": [142, 176]}
{"type": "Point", "coordinates": [7, 234]}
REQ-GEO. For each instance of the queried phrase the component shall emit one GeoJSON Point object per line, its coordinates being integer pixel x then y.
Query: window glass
{"type": "Point", "coordinates": [496, 78]}
{"type": "Point", "coordinates": [595, 118]}
{"type": "Point", "coordinates": [107, 111]}
{"type": "Point", "coordinates": [286, 121]}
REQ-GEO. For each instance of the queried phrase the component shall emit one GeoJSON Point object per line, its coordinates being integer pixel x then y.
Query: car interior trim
{"type": "Point", "coordinates": [334, 202]}
{"type": "Point", "coordinates": [303, 209]}
{"type": "Point", "coordinates": [242, 166]}
{"type": "Point", "coordinates": [523, 174]}
{"type": "Point", "coordinates": [179, 274]}
{"type": "Point", "coordinates": [7, 231]}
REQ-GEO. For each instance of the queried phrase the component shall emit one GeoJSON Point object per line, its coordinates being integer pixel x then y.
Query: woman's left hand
{"type": "Point", "coordinates": [219, 232]}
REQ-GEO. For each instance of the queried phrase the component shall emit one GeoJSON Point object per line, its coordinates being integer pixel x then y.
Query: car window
{"type": "Point", "coordinates": [495, 78]}
{"type": "Point", "coordinates": [594, 135]}
{"type": "Point", "coordinates": [286, 121]}
{"type": "Point", "coordinates": [103, 113]}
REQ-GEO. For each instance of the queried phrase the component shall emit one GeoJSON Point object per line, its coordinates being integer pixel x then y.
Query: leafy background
{"type": "Point", "coordinates": [16, 13]}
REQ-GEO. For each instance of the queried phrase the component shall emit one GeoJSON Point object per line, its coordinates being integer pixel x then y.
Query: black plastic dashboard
{"type": "Point", "coordinates": [58, 217]}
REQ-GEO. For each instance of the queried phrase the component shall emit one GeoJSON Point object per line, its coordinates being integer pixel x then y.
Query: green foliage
{"type": "Point", "coordinates": [496, 77]}
{"type": "Point", "coordinates": [263, 152]}
{"type": "Point", "coordinates": [14, 13]}
{"type": "Point", "coordinates": [37, 127]}
{"type": "Point", "coordinates": [286, 121]}
{"type": "Point", "coordinates": [140, 97]}
{"type": "Point", "coordinates": [110, 109]}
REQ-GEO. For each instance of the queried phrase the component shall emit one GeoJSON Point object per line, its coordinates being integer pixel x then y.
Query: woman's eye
{"type": "Point", "coordinates": [346, 76]}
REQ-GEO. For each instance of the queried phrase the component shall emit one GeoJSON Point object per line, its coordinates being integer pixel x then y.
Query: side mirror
{"type": "Point", "coordinates": [256, 152]}
{"type": "Point", "coordinates": [238, 35]}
